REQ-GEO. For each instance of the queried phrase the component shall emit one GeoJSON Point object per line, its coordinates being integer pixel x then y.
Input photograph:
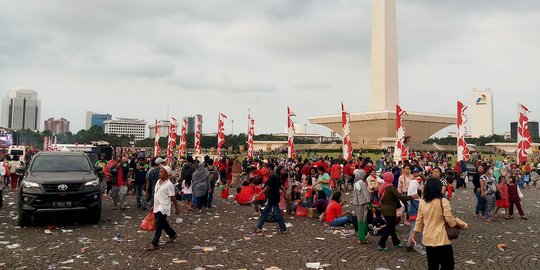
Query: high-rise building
{"type": "Point", "coordinates": [96, 119]}
{"type": "Point", "coordinates": [482, 113]}
{"type": "Point", "coordinates": [126, 126]}
{"type": "Point", "coordinates": [59, 126]}
{"type": "Point", "coordinates": [533, 129]}
{"type": "Point", "coordinates": [191, 120]}
{"type": "Point", "coordinates": [163, 129]}
{"type": "Point", "coordinates": [21, 110]}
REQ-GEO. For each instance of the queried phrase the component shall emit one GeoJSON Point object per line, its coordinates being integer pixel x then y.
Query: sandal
{"type": "Point", "coordinates": [524, 217]}
{"type": "Point", "coordinates": [282, 232]}
{"type": "Point", "coordinates": [152, 248]}
{"type": "Point", "coordinates": [171, 239]}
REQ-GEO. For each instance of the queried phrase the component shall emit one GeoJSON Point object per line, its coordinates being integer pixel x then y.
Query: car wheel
{"type": "Point", "coordinates": [94, 215]}
{"type": "Point", "coordinates": [24, 219]}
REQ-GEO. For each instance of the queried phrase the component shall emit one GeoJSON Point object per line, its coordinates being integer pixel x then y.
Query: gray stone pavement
{"type": "Point", "coordinates": [221, 238]}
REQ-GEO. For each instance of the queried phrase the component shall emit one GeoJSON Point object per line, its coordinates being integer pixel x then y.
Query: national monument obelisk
{"type": "Point", "coordinates": [376, 128]}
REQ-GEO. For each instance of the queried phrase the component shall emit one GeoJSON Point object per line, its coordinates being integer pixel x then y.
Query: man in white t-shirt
{"type": "Point", "coordinates": [164, 197]}
{"type": "Point", "coordinates": [414, 187]}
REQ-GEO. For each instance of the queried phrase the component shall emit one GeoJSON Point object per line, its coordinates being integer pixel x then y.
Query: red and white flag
{"type": "Point", "coordinates": [400, 151]}
{"type": "Point", "coordinates": [291, 153]}
{"type": "Point", "coordinates": [157, 150]}
{"type": "Point", "coordinates": [183, 140]}
{"type": "Point", "coordinates": [251, 134]}
{"type": "Point", "coordinates": [524, 136]}
{"type": "Point", "coordinates": [55, 143]}
{"type": "Point", "coordinates": [198, 127]}
{"type": "Point", "coordinates": [172, 140]}
{"type": "Point", "coordinates": [463, 152]}
{"type": "Point", "coordinates": [45, 144]}
{"type": "Point", "coordinates": [345, 124]}
{"type": "Point", "coordinates": [221, 133]}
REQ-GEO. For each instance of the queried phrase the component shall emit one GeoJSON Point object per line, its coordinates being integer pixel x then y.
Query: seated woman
{"type": "Point", "coordinates": [245, 195]}
{"type": "Point", "coordinates": [321, 202]}
{"type": "Point", "coordinates": [334, 215]}
{"type": "Point", "coordinates": [296, 198]}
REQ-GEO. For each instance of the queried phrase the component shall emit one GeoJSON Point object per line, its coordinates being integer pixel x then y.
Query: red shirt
{"type": "Point", "coordinates": [245, 195]}
{"type": "Point", "coordinates": [335, 171]}
{"type": "Point", "coordinates": [333, 211]}
{"type": "Point", "coordinates": [346, 170]}
{"type": "Point", "coordinates": [306, 170]}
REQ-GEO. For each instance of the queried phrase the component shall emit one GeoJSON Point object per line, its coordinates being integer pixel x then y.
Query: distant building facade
{"type": "Point", "coordinates": [482, 113]}
{"type": "Point", "coordinates": [191, 121]}
{"type": "Point", "coordinates": [59, 126]}
{"type": "Point", "coordinates": [163, 129]}
{"type": "Point", "coordinates": [21, 110]}
{"type": "Point", "coordinates": [96, 119]}
{"type": "Point", "coordinates": [126, 126]}
{"type": "Point", "coordinates": [533, 129]}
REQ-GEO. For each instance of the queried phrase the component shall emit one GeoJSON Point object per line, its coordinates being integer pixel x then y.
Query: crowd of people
{"type": "Point", "coordinates": [381, 194]}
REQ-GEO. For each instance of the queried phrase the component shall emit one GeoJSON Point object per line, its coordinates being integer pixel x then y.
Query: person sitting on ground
{"type": "Point", "coordinates": [245, 196]}
{"type": "Point", "coordinates": [296, 199]}
{"type": "Point", "coordinates": [334, 215]}
{"type": "Point", "coordinates": [321, 202]}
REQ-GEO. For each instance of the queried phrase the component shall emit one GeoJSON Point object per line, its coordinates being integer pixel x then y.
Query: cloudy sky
{"type": "Point", "coordinates": [138, 58]}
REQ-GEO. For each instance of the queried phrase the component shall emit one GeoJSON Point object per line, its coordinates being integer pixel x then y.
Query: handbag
{"type": "Point", "coordinates": [451, 232]}
{"type": "Point", "coordinates": [149, 222]}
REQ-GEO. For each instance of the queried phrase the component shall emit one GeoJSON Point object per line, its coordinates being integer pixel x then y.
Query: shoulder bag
{"type": "Point", "coordinates": [451, 232]}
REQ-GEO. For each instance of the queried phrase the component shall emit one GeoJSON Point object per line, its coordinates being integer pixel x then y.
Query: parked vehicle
{"type": "Point", "coordinates": [59, 182]}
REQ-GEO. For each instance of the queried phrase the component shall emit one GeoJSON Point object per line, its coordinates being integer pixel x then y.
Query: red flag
{"type": "Point", "coordinates": [400, 151]}
{"type": "Point", "coordinates": [463, 152]}
{"type": "Point", "coordinates": [221, 132]}
{"type": "Point", "coordinates": [524, 136]}
{"type": "Point", "coordinates": [198, 127]}
{"type": "Point", "coordinates": [290, 130]}
{"type": "Point", "coordinates": [345, 124]}
{"type": "Point", "coordinates": [251, 134]}
{"type": "Point", "coordinates": [172, 140]}
{"type": "Point", "coordinates": [157, 150]}
{"type": "Point", "coordinates": [183, 140]}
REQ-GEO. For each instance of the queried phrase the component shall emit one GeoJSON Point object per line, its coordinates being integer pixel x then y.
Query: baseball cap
{"type": "Point", "coordinates": [167, 169]}
{"type": "Point", "coordinates": [159, 161]}
{"type": "Point", "coordinates": [416, 170]}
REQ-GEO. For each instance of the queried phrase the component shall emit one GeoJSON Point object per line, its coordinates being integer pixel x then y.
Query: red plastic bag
{"type": "Point", "coordinates": [301, 211]}
{"type": "Point", "coordinates": [149, 222]}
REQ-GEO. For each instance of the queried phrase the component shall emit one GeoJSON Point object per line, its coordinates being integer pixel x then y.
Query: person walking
{"type": "Point", "coordinates": [236, 172]}
{"type": "Point", "coordinates": [200, 186]}
{"type": "Point", "coordinates": [141, 169]}
{"type": "Point", "coordinates": [488, 193]}
{"type": "Point", "coordinates": [361, 203]}
{"type": "Point", "coordinates": [514, 198]}
{"type": "Point", "coordinates": [480, 201]}
{"type": "Point", "coordinates": [433, 212]}
{"type": "Point", "coordinates": [164, 197]}
{"type": "Point", "coordinates": [272, 188]}
{"type": "Point", "coordinates": [390, 201]}
{"type": "Point", "coordinates": [213, 176]}
{"type": "Point", "coordinates": [152, 176]}
{"type": "Point", "coordinates": [13, 165]}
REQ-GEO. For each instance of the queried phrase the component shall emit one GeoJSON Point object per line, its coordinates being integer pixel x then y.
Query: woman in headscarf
{"type": "Point", "coordinates": [361, 203]}
{"type": "Point", "coordinates": [200, 185]}
{"type": "Point", "coordinates": [389, 198]}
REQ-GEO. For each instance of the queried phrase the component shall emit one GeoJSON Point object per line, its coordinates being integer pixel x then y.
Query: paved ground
{"type": "Point", "coordinates": [221, 239]}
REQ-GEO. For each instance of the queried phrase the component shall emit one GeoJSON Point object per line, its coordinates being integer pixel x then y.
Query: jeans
{"type": "Point", "coordinates": [210, 198]}
{"type": "Point", "coordinates": [340, 221]}
{"type": "Point", "coordinates": [390, 230]}
{"type": "Point", "coordinates": [480, 203]}
{"type": "Point", "coordinates": [490, 206]}
{"type": "Point", "coordinates": [277, 212]}
{"type": "Point", "coordinates": [200, 201]}
{"type": "Point", "coordinates": [115, 194]}
{"type": "Point", "coordinates": [162, 224]}
{"type": "Point", "coordinates": [418, 235]}
{"type": "Point", "coordinates": [441, 257]}
{"type": "Point", "coordinates": [139, 193]}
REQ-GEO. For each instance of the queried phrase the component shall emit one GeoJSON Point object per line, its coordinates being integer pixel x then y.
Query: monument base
{"type": "Point", "coordinates": [376, 129]}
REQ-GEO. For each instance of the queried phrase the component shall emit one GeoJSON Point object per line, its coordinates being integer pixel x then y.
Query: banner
{"type": "Point", "coordinates": [172, 140]}
{"type": "Point", "coordinates": [45, 144]}
{"type": "Point", "coordinates": [183, 140]}
{"type": "Point", "coordinates": [198, 127]}
{"type": "Point", "coordinates": [290, 130]}
{"type": "Point", "coordinates": [55, 143]}
{"type": "Point", "coordinates": [221, 133]}
{"type": "Point", "coordinates": [251, 134]}
{"type": "Point", "coordinates": [463, 152]}
{"type": "Point", "coordinates": [524, 136]}
{"type": "Point", "coordinates": [400, 151]}
{"type": "Point", "coordinates": [157, 151]}
{"type": "Point", "coordinates": [345, 124]}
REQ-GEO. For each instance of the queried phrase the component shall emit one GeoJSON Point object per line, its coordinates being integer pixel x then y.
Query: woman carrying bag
{"type": "Point", "coordinates": [434, 213]}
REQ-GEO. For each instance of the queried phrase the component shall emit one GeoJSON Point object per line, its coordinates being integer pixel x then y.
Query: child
{"type": "Point", "coordinates": [503, 201]}
{"type": "Point", "coordinates": [514, 198]}
{"type": "Point", "coordinates": [187, 192]}
{"type": "Point", "coordinates": [224, 187]}
{"type": "Point", "coordinates": [378, 224]}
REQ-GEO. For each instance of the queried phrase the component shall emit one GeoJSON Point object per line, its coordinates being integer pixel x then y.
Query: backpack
{"type": "Point", "coordinates": [214, 176]}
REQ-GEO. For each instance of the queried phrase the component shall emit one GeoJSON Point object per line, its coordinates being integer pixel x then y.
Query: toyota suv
{"type": "Point", "coordinates": [59, 182]}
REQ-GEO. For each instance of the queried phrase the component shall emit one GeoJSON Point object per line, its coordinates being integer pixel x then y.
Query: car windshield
{"type": "Point", "coordinates": [60, 164]}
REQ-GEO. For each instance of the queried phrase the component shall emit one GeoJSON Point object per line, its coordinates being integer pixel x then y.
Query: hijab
{"type": "Point", "coordinates": [388, 178]}
{"type": "Point", "coordinates": [200, 175]}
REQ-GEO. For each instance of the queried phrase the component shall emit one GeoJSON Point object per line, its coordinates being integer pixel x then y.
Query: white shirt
{"type": "Point", "coordinates": [187, 190]}
{"type": "Point", "coordinates": [413, 187]}
{"type": "Point", "coordinates": [162, 197]}
{"type": "Point", "coordinates": [2, 169]}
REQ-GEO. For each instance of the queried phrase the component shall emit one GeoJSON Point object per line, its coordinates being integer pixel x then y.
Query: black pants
{"type": "Point", "coordinates": [440, 257]}
{"type": "Point", "coordinates": [162, 224]}
{"type": "Point", "coordinates": [109, 186]}
{"type": "Point", "coordinates": [390, 230]}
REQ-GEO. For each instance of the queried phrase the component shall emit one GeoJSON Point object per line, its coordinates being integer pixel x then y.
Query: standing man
{"type": "Point", "coordinates": [141, 169]}
{"type": "Point", "coordinates": [164, 196]}
{"type": "Point", "coordinates": [272, 189]}
{"type": "Point", "coordinates": [100, 168]}
{"type": "Point", "coordinates": [152, 176]}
